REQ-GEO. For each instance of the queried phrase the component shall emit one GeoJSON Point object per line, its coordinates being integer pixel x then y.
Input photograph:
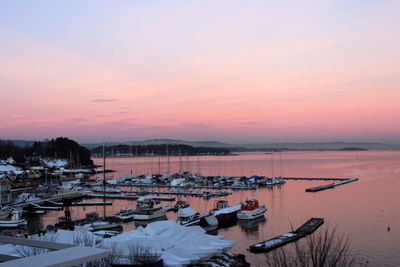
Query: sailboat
{"type": "Point", "coordinates": [104, 224]}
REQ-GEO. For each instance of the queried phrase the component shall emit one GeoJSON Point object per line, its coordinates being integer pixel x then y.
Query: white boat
{"type": "Point", "coordinates": [251, 210]}
{"type": "Point", "coordinates": [125, 214]}
{"type": "Point", "coordinates": [103, 225]}
{"type": "Point", "coordinates": [148, 209]}
{"type": "Point", "coordinates": [102, 189]}
{"type": "Point", "coordinates": [188, 217]}
{"type": "Point", "coordinates": [13, 222]}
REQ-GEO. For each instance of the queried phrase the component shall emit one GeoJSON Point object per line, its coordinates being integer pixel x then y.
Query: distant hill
{"type": "Point", "coordinates": [325, 146]}
{"type": "Point", "coordinates": [163, 142]}
{"type": "Point", "coordinates": [21, 143]}
{"type": "Point", "coordinates": [158, 149]}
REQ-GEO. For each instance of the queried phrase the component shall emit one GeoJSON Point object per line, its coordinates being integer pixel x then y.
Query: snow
{"type": "Point", "coordinates": [227, 209]}
{"type": "Point", "coordinates": [186, 212]}
{"type": "Point", "coordinates": [176, 244]}
{"type": "Point", "coordinates": [8, 168]}
{"type": "Point", "coordinates": [56, 162]}
{"type": "Point", "coordinates": [177, 181]}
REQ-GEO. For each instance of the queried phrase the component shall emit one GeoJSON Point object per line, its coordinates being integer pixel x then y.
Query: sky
{"type": "Point", "coordinates": [232, 71]}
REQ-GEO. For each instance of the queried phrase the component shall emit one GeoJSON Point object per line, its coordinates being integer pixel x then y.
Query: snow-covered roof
{"type": "Point", "coordinates": [8, 168]}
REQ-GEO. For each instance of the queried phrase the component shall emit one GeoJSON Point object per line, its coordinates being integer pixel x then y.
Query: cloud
{"type": "Point", "coordinates": [17, 116]}
{"type": "Point", "coordinates": [104, 100]}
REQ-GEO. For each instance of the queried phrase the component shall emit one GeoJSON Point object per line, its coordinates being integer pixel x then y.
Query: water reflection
{"type": "Point", "coordinates": [367, 206]}
{"type": "Point", "coordinates": [251, 227]}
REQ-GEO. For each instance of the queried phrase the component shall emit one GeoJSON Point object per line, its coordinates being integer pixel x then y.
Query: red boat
{"type": "Point", "coordinates": [224, 213]}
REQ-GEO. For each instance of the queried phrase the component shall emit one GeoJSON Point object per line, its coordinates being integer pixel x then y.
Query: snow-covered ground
{"type": "Point", "coordinates": [175, 244]}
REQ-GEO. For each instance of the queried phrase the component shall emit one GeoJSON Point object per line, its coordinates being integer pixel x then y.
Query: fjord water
{"type": "Point", "coordinates": [366, 211]}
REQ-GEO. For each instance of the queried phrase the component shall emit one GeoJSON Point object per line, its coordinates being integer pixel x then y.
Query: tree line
{"type": "Point", "coordinates": [59, 148]}
{"type": "Point", "coordinates": [159, 150]}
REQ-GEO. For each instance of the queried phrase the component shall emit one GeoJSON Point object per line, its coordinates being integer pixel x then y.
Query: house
{"type": "Point", "coordinates": [5, 189]}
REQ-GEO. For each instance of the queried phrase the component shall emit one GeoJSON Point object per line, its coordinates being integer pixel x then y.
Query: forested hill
{"type": "Point", "coordinates": [61, 148]}
{"type": "Point", "coordinates": [162, 149]}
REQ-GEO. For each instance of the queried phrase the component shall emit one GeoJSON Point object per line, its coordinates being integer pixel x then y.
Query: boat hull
{"type": "Point", "coordinates": [147, 217]}
{"type": "Point", "coordinates": [251, 214]}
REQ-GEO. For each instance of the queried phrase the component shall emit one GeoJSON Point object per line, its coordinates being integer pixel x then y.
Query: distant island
{"type": "Point", "coordinates": [353, 149]}
{"type": "Point", "coordinates": [158, 150]}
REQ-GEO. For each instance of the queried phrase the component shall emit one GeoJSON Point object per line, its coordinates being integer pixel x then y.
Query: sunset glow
{"type": "Point", "coordinates": [231, 71]}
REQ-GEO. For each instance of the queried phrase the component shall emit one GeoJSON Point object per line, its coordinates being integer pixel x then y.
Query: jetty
{"type": "Point", "coordinates": [127, 197]}
{"type": "Point", "coordinates": [306, 229]}
{"type": "Point", "coordinates": [179, 193]}
{"type": "Point", "coordinates": [332, 185]}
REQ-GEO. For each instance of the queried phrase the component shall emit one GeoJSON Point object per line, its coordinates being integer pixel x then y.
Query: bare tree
{"type": "Point", "coordinates": [324, 248]}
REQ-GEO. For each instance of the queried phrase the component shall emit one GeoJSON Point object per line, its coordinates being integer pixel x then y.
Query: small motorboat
{"type": "Point", "coordinates": [181, 204]}
{"type": "Point", "coordinates": [125, 214]}
{"type": "Point", "coordinates": [14, 222]}
{"type": "Point", "coordinates": [251, 210]}
{"type": "Point", "coordinates": [224, 213]}
{"type": "Point", "coordinates": [104, 225]}
{"type": "Point", "coordinates": [188, 217]}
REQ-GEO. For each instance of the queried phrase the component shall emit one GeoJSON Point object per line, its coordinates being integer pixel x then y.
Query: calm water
{"type": "Point", "coordinates": [362, 210]}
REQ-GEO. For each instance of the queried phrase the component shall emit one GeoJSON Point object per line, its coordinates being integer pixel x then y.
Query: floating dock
{"type": "Point", "coordinates": [328, 186]}
{"type": "Point", "coordinates": [128, 197]}
{"type": "Point", "coordinates": [307, 228]}
{"type": "Point", "coordinates": [193, 194]}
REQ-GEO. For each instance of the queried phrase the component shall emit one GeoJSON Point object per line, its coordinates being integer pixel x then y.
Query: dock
{"type": "Point", "coordinates": [306, 229]}
{"type": "Point", "coordinates": [187, 193]}
{"type": "Point", "coordinates": [128, 197]}
{"type": "Point", "coordinates": [332, 185]}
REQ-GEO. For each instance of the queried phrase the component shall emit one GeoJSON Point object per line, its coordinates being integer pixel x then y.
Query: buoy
{"type": "Point", "coordinates": [388, 229]}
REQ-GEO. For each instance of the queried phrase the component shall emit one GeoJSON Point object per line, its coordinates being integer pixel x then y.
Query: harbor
{"type": "Point", "coordinates": [126, 193]}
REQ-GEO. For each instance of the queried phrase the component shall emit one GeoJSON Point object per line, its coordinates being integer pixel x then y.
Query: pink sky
{"type": "Point", "coordinates": [227, 70]}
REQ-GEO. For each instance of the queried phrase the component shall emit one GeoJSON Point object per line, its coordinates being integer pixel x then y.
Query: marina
{"type": "Point", "coordinates": [244, 230]}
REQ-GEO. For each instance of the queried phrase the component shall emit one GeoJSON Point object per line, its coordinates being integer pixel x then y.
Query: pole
{"type": "Point", "coordinates": [104, 182]}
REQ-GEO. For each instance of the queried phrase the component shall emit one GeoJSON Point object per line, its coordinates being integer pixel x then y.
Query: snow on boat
{"type": "Point", "coordinates": [251, 210]}
{"type": "Point", "coordinates": [174, 244]}
{"type": "Point", "coordinates": [225, 214]}
{"type": "Point", "coordinates": [125, 214]}
{"type": "Point", "coordinates": [188, 217]}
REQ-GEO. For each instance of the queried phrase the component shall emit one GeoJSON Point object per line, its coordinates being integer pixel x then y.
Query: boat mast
{"type": "Point", "coordinates": [104, 182]}
{"type": "Point", "coordinates": [169, 163]}
{"type": "Point", "coordinates": [272, 164]}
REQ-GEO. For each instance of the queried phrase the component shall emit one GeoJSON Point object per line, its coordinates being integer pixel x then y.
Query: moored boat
{"type": "Point", "coordinates": [103, 225]}
{"type": "Point", "coordinates": [251, 210]}
{"type": "Point", "coordinates": [148, 209]}
{"type": "Point", "coordinates": [125, 214]}
{"type": "Point", "coordinates": [188, 217]}
{"type": "Point", "coordinates": [181, 204]}
{"type": "Point", "coordinates": [224, 213]}
{"type": "Point", "coordinates": [14, 222]}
